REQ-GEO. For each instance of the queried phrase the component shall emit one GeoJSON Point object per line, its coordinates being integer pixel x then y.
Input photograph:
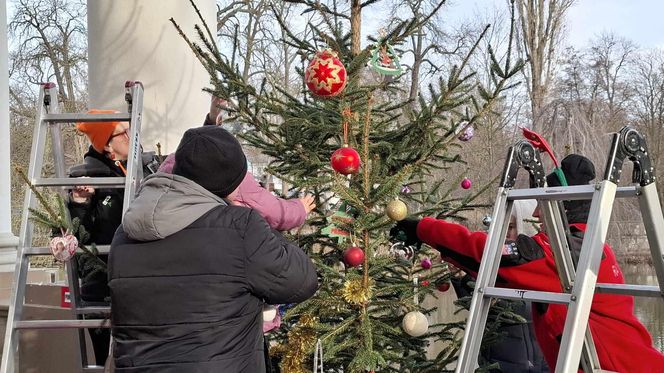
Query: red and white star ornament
{"type": "Point", "coordinates": [326, 75]}
{"type": "Point", "coordinates": [345, 160]}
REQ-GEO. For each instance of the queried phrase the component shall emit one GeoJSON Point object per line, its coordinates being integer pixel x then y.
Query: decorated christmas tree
{"type": "Point", "coordinates": [350, 135]}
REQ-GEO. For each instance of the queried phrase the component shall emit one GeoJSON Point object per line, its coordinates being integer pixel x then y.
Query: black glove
{"type": "Point", "coordinates": [406, 231]}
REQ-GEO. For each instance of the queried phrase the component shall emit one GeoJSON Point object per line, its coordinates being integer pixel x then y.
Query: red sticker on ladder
{"type": "Point", "coordinates": [65, 297]}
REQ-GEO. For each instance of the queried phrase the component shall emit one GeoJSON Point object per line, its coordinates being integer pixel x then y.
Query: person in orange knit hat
{"type": "Point", "coordinates": [108, 138]}
{"type": "Point", "coordinates": [100, 210]}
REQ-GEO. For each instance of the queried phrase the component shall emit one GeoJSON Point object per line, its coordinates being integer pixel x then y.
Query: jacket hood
{"type": "Point", "coordinates": [166, 204]}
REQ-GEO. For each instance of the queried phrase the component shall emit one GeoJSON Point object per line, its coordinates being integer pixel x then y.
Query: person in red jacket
{"type": "Point", "coordinates": [623, 344]}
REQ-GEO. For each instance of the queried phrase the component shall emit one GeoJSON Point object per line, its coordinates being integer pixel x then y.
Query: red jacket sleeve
{"type": "Point", "coordinates": [464, 249]}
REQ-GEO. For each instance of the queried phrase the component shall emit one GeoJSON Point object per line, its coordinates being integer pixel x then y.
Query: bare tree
{"type": "Point", "coordinates": [50, 44]}
{"type": "Point", "coordinates": [610, 56]}
{"type": "Point", "coordinates": [541, 26]}
{"type": "Point", "coordinates": [648, 106]}
{"type": "Point", "coordinates": [47, 43]}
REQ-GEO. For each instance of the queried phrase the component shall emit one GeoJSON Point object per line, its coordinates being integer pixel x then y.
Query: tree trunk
{"type": "Point", "coordinates": [356, 27]}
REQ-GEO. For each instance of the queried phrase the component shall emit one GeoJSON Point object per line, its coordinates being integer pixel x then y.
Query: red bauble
{"type": "Point", "coordinates": [445, 286]}
{"type": "Point", "coordinates": [326, 75]}
{"type": "Point", "coordinates": [466, 183]}
{"type": "Point", "coordinates": [345, 160]}
{"type": "Point", "coordinates": [354, 256]}
{"type": "Point", "coordinates": [425, 283]}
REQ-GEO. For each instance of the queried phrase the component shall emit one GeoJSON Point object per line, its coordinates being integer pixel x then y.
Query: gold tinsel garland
{"type": "Point", "coordinates": [297, 351]}
{"type": "Point", "coordinates": [355, 293]}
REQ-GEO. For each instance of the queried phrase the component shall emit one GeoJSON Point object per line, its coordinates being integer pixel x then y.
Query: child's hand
{"type": "Point", "coordinates": [308, 203]}
{"type": "Point", "coordinates": [216, 105]}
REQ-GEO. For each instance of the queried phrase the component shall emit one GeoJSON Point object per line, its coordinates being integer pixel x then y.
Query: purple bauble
{"type": "Point", "coordinates": [467, 134]}
{"type": "Point", "coordinates": [466, 183]}
{"type": "Point", "coordinates": [426, 263]}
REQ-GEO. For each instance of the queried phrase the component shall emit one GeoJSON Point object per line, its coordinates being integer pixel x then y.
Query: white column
{"type": "Point", "coordinates": [8, 241]}
{"type": "Point", "coordinates": [134, 40]}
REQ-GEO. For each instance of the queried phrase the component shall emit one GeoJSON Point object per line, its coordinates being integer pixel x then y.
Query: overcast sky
{"type": "Point", "coordinates": [638, 20]}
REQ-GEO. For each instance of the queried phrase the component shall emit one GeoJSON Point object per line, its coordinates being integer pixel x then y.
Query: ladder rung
{"type": "Point", "coordinates": [93, 368]}
{"type": "Point", "coordinates": [109, 182]}
{"type": "Point", "coordinates": [44, 250]}
{"type": "Point", "coordinates": [82, 117]}
{"type": "Point", "coordinates": [521, 294]}
{"type": "Point", "coordinates": [92, 310]}
{"type": "Point", "coordinates": [577, 192]}
{"type": "Point", "coordinates": [630, 289]}
{"type": "Point", "coordinates": [62, 324]}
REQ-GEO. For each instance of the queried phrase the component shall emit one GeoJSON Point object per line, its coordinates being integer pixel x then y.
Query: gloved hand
{"type": "Point", "coordinates": [406, 231]}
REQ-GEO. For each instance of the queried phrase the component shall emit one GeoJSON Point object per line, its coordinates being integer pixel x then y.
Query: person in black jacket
{"type": "Point", "coordinates": [100, 210]}
{"type": "Point", "coordinates": [516, 349]}
{"type": "Point", "coordinates": [189, 273]}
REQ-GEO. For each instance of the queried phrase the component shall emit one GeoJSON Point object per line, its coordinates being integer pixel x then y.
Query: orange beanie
{"type": "Point", "coordinates": [99, 133]}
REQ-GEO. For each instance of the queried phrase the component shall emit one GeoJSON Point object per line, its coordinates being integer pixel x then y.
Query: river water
{"type": "Point", "coordinates": [649, 310]}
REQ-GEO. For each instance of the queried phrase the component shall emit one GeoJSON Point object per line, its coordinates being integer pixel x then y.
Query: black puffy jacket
{"type": "Point", "coordinates": [517, 350]}
{"type": "Point", "coordinates": [189, 276]}
{"type": "Point", "coordinates": [101, 216]}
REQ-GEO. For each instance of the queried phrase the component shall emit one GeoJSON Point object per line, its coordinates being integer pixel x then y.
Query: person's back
{"type": "Point", "coordinates": [189, 275]}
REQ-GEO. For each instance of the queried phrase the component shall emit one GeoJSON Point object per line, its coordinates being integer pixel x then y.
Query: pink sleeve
{"type": "Point", "coordinates": [281, 214]}
{"type": "Point", "coordinates": [168, 164]}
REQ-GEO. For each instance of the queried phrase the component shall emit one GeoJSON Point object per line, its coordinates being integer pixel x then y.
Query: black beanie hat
{"type": "Point", "coordinates": [211, 157]}
{"type": "Point", "coordinates": [578, 170]}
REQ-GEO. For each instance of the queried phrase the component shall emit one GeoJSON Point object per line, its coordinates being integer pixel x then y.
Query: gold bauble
{"type": "Point", "coordinates": [396, 210]}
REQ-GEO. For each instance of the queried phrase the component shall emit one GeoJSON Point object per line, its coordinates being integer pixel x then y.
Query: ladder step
{"type": "Point", "coordinates": [62, 324]}
{"type": "Point", "coordinates": [629, 289]}
{"type": "Point", "coordinates": [92, 310]}
{"type": "Point", "coordinates": [109, 182]}
{"type": "Point", "coordinates": [522, 294]}
{"type": "Point", "coordinates": [567, 193]}
{"type": "Point", "coordinates": [44, 250]}
{"type": "Point", "coordinates": [93, 368]}
{"type": "Point", "coordinates": [82, 117]}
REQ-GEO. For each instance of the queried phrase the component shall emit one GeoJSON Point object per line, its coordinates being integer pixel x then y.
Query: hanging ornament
{"type": "Point", "coordinates": [318, 353]}
{"type": "Point", "coordinates": [443, 287]}
{"type": "Point", "coordinates": [401, 251]}
{"type": "Point", "coordinates": [415, 323]}
{"type": "Point", "coordinates": [406, 189]}
{"type": "Point", "coordinates": [354, 291]}
{"type": "Point", "coordinates": [467, 134]}
{"type": "Point", "coordinates": [486, 220]}
{"type": "Point", "coordinates": [340, 218]}
{"type": "Point", "coordinates": [345, 160]}
{"type": "Point", "coordinates": [353, 256]}
{"type": "Point", "coordinates": [466, 183]}
{"type": "Point", "coordinates": [425, 283]}
{"type": "Point", "coordinates": [396, 210]}
{"type": "Point", "coordinates": [269, 313]}
{"type": "Point", "coordinates": [63, 248]}
{"type": "Point", "coordinates": [426, 263]}
{"type": "Point", "coordinates": [326, 75]}
{"type": "Point", "coordinates": [384, 60]}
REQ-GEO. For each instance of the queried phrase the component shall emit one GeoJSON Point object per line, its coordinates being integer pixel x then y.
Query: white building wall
{"type": "Point", "coordinates": [134, 40]}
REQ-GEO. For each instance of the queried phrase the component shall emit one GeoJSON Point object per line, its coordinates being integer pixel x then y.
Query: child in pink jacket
{"type": "Point", "coordinates": [281, 214]}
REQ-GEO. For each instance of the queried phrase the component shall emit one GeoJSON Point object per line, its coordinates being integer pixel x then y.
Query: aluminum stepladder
{"type": "Point", "coordinates": [579, 282]}
{"type": "Point", "coordinates": [49, 119]}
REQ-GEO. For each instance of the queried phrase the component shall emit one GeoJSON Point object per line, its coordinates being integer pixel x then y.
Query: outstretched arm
{"type": "Point", "coordinates": [277, 270]}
